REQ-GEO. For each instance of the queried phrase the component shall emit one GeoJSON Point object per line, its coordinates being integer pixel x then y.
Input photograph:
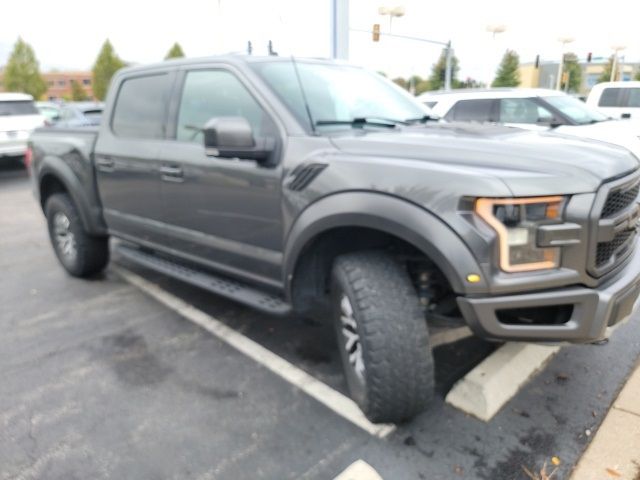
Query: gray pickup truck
{"type": "Point", "coordinates": [323, 189]}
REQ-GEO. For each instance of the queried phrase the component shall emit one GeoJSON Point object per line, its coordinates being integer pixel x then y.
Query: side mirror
{"type": "Point", "coordinates": [232, 137]}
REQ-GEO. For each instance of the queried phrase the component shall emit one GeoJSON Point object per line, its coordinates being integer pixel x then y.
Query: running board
{"type": "Point", "coordinates": [231, 289]}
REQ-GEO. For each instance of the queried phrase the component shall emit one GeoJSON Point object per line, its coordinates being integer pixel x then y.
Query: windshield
{"type": "Point", "coordinates": [576, 110]}
{"type": "Point", "coordinates": [338, 93]}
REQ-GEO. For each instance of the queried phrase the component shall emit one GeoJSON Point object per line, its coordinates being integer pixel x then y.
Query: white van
{"type": "Point", "coordinates": [18, 118]}
{"type": "Point", "coordinates": [618, 100]}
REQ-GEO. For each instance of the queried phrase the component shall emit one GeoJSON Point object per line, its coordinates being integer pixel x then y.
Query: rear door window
{"type": "Point", "coordinates": [480, 110]}
{"type": "Point", "coordinates": [20, 107]}
{"type": "Point", "coordinates": [140, 107]}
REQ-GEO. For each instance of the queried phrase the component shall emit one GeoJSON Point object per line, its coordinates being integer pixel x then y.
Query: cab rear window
{"type": "Point", "coordinates": [18, 107]}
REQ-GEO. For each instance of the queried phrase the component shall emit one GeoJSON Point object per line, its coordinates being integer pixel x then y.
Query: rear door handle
{"type": "Point", "coordinates": [171, 173]}
{"type": "Point", "coordinates": [105, 164]}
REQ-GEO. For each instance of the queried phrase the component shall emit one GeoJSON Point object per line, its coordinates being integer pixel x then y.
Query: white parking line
{"type": "Point", "coordinates": [332, 399]}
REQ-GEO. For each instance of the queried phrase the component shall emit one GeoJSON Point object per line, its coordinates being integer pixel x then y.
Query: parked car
{"type": "Point", "coordinates": [79, 114]}
{"type": "Point", "coordinates": [617, 99]}
{"type": "Point", "coordinates": [532, 109]}
{"type": "Point", "coordinates": [18, 118]}
{"type": "Point", "coordinates": [323, 189]}
{"type": "Point", "coordinates": [50, 111]}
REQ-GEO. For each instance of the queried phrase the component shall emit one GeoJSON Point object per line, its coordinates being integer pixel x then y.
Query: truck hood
{"type": "Point", "coordinates": [528, 163]}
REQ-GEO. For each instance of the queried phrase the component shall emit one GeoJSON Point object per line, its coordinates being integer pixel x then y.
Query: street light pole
{"type": "Point", "coordinates": [392, 12]}
{"type": "Point", "coordinates": [340, 29]}
{"type": "Point", "coordinates": [494, 29]}
{"type": "Point", "coordinates": [448, 67]}
{"type": "Point", "coordinates": [614, 67]}
{"type": "Point", "coordinates": [564, 41]}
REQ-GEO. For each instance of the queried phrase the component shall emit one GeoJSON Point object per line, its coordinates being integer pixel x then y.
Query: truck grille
{"type": "Point", "coordinates": [618, 200]}
{"type": "Point", "coordinates": [606, 250]}
{"type": "Point", "coordinates": [616, 226]}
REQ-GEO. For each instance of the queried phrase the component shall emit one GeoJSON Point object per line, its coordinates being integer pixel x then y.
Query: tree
{"type": "Point", "coordinates": [22, 72]}
{"type": "Point", "coordinates": [507, 74]}
{"type": "Point", "coordinates": [605, 76]}
{"type": "Point", "coordinates": [573, 72]}
{"type": "Point", "coordinates": [175, 52]}
{"type": "Point", "coordinates": [106, 65]}
{"type": "Point", "coordinates": [637, 77]}
{"type": "Point", "coordinates": [78, 93]}
{"type": "Point", "coordinates": [401, 82]}
{"type": "Point", "coordinates": [436, 79]}
{"type": "Point", "coordinates": [471, 83]}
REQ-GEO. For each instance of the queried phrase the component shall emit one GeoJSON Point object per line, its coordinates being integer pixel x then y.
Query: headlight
{"type": "Point", "coordinates": [516, 221]}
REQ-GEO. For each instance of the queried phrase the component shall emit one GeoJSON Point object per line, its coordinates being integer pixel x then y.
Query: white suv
{"type": "Point", "coordinates": [18, 118]}
{"type": "Point", "coordinates": [618, 99]}
{"type": "Point", "coordinates": [532, 109]}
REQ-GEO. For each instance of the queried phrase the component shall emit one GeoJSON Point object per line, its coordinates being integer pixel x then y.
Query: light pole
{"type": "Point", "coordinates": [564, 41]}
{"type": "Point", "coordinates": [616, 51]}
{"type": "Point", "coordinates": [397, 12]}
{"type": "Point", "coordinates": [494, 29]}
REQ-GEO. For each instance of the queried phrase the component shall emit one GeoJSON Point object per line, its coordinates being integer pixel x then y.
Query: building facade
{"type": "Point", "coordinates": [545, 75]}
{"type": "Point", "coordinates": [59, 84]}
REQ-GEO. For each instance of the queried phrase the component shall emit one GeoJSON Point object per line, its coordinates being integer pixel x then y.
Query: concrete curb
{"type": "Point", "coordinates": [492, 383]}
{"type": "Point", "coordinates": [359, 470]}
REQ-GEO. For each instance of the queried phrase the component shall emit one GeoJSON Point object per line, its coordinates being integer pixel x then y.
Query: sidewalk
{"type": "Point", "coordinates": [614, 453]}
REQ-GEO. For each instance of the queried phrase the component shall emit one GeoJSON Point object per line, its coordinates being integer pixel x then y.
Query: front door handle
{"type": "Point", "coordinates": [105, 164]}
{"type": "Point", "coordinates": [171, 173]}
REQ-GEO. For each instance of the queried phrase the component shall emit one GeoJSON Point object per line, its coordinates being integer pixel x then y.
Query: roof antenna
{"type": "Point", "coordinates": [271, 51]}
{"type": "Point", "coordinates": [304, 95]}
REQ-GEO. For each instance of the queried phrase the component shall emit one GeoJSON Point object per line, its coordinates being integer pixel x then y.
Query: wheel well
{"type": "Point", "coordinates": [311, 279]}
{"type": "Point", "coordinates": [50, 185]}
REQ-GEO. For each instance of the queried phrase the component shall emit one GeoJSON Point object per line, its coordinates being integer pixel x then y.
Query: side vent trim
{"type": "Point", "coordinates": [303, 175]}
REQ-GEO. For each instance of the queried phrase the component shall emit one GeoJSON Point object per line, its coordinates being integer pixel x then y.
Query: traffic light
{"type": "Point", "coordinates": [589, 56]}
{"type": "Point", "coordinates": [376, 32]}
{"type": "Point", "coordinates": [537, 62]}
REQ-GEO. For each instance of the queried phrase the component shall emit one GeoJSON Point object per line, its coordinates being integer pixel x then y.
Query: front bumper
{"type": "Point", "coordinates": [590, 310]}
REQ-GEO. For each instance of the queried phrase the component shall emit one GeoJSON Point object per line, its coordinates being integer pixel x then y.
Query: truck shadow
{"type": "Point", "coordinates": [310, 344]}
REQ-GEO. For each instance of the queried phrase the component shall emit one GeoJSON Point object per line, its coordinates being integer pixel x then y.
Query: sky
{"type": "Point", "coordinates": [67, 34]}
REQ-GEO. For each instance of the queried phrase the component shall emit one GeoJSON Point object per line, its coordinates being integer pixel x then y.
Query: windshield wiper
{"type": "Point", "coordinates": [364, 121]}
{"type": "Point", "coordinates": [422, 119]}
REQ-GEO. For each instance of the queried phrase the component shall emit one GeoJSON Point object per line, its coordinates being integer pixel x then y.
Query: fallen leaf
{"type": "Point", "coordinates": [613, 473]}
{"type": "Point", "coordinates": [555, 461]}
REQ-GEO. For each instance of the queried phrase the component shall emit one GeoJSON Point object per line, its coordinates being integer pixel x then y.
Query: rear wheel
{"type": "Point", "coordinates": [81, 254]}
{"type": "Point", "coordinates": [382, 335]}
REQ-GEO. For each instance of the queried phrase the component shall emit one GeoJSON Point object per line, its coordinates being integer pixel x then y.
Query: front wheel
{"type": "Point", "coordinates": [81, 254]}
{"type": "Point", "coordinates": [382, 335]}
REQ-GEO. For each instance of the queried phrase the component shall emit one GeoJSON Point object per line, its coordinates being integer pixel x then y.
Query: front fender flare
{"type": "Point", "coordinates": [394, 216]}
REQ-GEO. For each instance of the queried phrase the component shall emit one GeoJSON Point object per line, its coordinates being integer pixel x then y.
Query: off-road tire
{"type": "Point", "coordinates": [92, 252]}
{"type": "Point", "coordinates": [398, 364]}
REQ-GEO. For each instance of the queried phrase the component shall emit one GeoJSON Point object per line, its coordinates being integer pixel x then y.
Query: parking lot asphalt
{"type": "Point", "coordinates": [98, 380]}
